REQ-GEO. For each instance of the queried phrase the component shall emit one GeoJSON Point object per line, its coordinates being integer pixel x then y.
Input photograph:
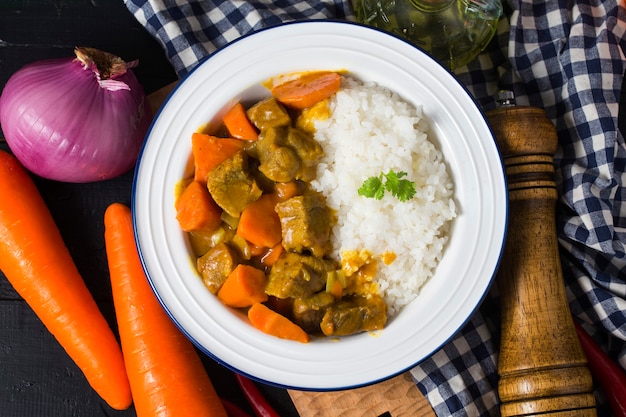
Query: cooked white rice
{"type": "Point", "coordinates": [372, 130]}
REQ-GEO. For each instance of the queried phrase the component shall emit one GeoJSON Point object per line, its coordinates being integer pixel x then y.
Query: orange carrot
{"type": "Point", "coordinates": [275, 324]}
{"type": "Point", "coordinates": [210, 151]}
{"type": "Point", "coordinates": [238, 125]}
{"type": "Point", "coordinates": [256, 250]}
{"type": "Point", "coordinates": [196, 210]}
{"type": "Point", "coordinates": [272, 254]}
{"type": "Point", "coordinates": [243, 287]}
{"type": "Point", "coordinates": [36, 261]}
{"type": "Point", "coordinates": [286, 190]}
{"type": "Point", "coordinates": [167, 377]}
{"type": "Point", "coordinates": [336, 290]}
{"type": "Point", "coordinates": [259, 223]}
{"type": "Point", "coordinates": [308, 89]}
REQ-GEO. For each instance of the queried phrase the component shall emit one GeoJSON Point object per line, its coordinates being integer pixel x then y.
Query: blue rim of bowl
{"type": "Point", "coordinates": [228, 365]}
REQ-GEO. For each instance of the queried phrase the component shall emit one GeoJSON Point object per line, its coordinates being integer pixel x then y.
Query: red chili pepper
{"type": "Point", "coordinates": [233, 409]}
{"type": "Point", "coordinates": [257, 401]}
{"type": "Point", "coordinates": [610, 376]}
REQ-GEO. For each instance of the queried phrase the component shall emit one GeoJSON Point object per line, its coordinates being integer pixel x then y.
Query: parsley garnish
{"type": "Point", "coordinates": [374, 187]}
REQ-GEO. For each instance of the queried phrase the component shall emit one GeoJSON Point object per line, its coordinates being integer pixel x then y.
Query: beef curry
{"type": "Point", "coordinates": [322, 295]}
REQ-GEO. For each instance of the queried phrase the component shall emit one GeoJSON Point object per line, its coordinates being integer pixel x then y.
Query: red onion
{"type": "Point", "coordinates": [78, 120]}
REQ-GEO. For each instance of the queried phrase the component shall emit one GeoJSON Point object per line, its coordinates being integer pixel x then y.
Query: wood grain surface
{"type": "Point", "coordinates": [396, 397]}
{"type": "Point", "coordinates": [542, 366]}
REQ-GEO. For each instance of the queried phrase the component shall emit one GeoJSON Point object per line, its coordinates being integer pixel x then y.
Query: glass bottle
{"type": "Point", "coordinates": [452, 31]}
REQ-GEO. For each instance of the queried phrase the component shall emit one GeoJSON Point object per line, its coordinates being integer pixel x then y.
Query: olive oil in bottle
{"type": "Point", "coordinates": [451, 31]}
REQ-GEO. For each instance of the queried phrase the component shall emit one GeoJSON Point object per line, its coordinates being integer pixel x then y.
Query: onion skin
{"type": "Point", "coordinates": [64, 123]}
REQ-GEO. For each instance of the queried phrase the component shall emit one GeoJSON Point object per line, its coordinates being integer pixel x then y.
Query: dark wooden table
{"type": "Point", "coordinates": [37, 379]}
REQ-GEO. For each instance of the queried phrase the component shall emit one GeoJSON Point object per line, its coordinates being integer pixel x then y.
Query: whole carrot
{"type": "Point", "coordinates": [167, 377]}
{"type": "Point", "coordinates": [36, 261]}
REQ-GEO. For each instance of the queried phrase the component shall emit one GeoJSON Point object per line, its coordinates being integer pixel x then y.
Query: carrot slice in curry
{"type": "Point", "coordinates": [243, 287]}
{"type": "Point", "coordinates": [308, 89]}
{"type": "Point", "coordinates": [275, 324]}
{"type": "Point", "coordinates": [210, 151]}
{"type": "Point", "coordinates": [196, 210]}
{"type": "Point", "coordinates": [238, 124]}
{"type": "Point", "coordinates": [259, 223]}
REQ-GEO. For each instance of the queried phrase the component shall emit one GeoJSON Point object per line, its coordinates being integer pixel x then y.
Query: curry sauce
{"type": "Point", "coordinates": [322, 295]}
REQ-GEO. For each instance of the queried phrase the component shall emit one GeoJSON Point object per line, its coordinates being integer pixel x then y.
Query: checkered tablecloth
{"type": "Point", "coordinates": [566, 57]}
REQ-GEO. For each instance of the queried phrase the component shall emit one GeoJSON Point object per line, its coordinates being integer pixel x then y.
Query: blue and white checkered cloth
{"type": "Point", "coordinates": [566, 57]}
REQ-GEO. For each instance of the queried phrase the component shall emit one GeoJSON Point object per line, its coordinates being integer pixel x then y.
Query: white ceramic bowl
{"type": "Point", "coordinates": [457, 127]}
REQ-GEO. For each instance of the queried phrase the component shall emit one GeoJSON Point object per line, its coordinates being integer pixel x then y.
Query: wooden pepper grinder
{"type": "Point", "coordinates": [542, 367]}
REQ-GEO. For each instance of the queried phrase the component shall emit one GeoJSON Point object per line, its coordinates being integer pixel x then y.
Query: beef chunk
{"type": "Point", "coordinates": [306, 223]}
{"type": "Point", "coordinates": [268, 113]}
{"type": "Point", "coordinates": [308, 312]}
{"type": "Point", "coordinates": [286, 154]}
{"type": "Point", "coordinates": [216, 265]}
{"type": "Point", "coordinates": [297, 276]}
{"type": "Point", "coordinates": [232, 186]}
{"type": "Point", "coordinates": [354, 315]}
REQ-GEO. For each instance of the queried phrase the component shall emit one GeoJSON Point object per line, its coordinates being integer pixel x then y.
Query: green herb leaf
{"type": "Point", "coordinates": [402, 189]}
{"type": "Point", "coordinates": [374, 187]}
